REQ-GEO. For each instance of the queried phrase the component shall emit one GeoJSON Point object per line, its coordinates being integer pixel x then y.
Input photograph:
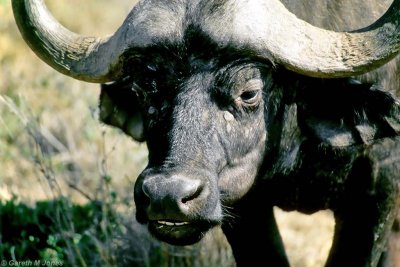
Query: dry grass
{"type": "Point", "coordinates": [306, 238]}
{"type": "Point", "coordinates": [80, 148]}
{"type": "Point", "coordinates": [65, 108]}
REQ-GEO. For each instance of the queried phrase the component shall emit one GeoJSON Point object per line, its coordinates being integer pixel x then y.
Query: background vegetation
{"type": "Point", "coordinates": [66, 181]}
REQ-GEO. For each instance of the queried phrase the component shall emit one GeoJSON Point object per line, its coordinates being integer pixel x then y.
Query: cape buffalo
{"type": "Point", "coordinates": [245, 106]}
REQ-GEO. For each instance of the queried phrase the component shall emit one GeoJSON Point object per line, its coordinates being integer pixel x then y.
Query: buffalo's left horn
{"type": "Point", "coordinates": [270, 30]}
{"type": "Point", "coordinates": [85, 58]}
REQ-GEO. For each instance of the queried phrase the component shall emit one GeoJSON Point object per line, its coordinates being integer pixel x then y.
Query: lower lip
{"type": "Point", "coordinates": [177, 233]}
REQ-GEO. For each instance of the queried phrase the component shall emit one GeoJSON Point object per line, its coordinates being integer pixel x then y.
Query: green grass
{"type": "Point", "coordinates": [55, 229]}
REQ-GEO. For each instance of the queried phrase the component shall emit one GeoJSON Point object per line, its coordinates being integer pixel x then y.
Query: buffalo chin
{"type": "Point", "coordinates": [183, 235]}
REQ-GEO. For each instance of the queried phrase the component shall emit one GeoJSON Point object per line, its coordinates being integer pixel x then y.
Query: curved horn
{"type": "Point", "coordinates": [270, 30]}
{"type": "Point", "coordinates": [81, 57]}
{"type": "Point", "coordinates": [316, 52]}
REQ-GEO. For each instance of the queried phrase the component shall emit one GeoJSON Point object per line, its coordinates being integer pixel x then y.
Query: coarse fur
{"type": "Point", "coordinates": [226, 128]}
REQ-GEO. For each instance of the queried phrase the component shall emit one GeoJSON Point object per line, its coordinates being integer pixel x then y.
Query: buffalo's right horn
{"type": "Point", "coordinates": [271, 31]}
{"type": "Point", "coordinates": [317, 52]}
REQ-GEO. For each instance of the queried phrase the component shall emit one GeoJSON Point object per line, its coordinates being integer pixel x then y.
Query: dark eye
{"type": "Point", "coordinates": [250, 97]}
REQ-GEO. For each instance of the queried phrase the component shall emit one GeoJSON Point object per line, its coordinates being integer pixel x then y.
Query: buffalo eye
{"type": "Point", "coordinates": [251, 95]}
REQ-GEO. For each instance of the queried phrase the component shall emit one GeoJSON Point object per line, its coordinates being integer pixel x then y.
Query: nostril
{"type": "Point", "coordinates": [146, 189]}
{"type": "Point", "coordinates": [153, 186]}
{"type": "Point", "coordinates": [192, 194]}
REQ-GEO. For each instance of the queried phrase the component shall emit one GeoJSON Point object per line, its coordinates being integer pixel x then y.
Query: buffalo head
{"type": "Point", "coordinates": [203, 82]}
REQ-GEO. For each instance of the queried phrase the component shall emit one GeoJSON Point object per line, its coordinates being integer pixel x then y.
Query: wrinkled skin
{"type": "Point", "coordinates": [231, 131]}
{"type": "Point", "coordinates": [230, 136]}
{"type": "Point", "coordinates": [206, 140]}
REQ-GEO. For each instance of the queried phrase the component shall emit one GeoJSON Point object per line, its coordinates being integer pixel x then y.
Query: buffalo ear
{"type": "Point", "coordinates": [119, 107]}
{"type": "Point", "coordinates": [346, 112]}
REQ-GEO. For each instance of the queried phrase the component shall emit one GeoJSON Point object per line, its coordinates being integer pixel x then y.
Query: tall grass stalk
{"type": "Point", "coordinates": [117, 239]}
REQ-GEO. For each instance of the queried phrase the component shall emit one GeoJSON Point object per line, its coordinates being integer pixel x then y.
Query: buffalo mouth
{"type": "Point", "coordinates": [179, 233]}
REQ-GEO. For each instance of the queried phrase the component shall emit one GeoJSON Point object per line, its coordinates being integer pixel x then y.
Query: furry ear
{"type": "Point", "coordinates": [119, 107]}
{"type": "Point", "coordinates": [345, 112]}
